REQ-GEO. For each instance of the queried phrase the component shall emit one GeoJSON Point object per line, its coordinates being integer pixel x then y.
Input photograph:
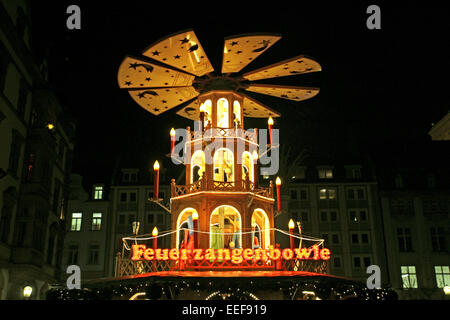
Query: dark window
{"type": "Point", "coordinates": [294, 194]}
{"type": "Point", "coordinates": [150, 218]}
{"type": "Point", "coordinates": [335, 238]}
{"type": "Point", "coordinates": [360, 193]}
{"type": "Point", "coordinates": [93, 254]}
{"type": "Point", "coordinates": [23, 95]}
{"type": "Point", "coordinates": [355, 238]}
{"type": "Point", "coordinates": [133, 177]}
{"type": "Point", "coordinates": [438, 239]}
{"type": "Point", "coordinates": [303, 195]}
{"type": "Point", "coordinates": [353, 216]}
{"type": "Point", "coordinates": [121, 219]}
{"type": "Point", "coordinates": [366, 261]}
{"type": "Point", "coordinates": [160, 219]}
{"type": "Point", "coordinates": [73, 254]}
{"type": "Point", "coordinates": [350, 194]}
{"type": "Point", "coordinates": [294, 215]}
{"type": "Point", "coordinates": [404, 239]}
{"type": "Point", "coordinates": [123, 197]}
{"type": "Point", "coordinates": [337, 262]}
{"type": "Point", "coordinates": [323, 216]}
{"type": "Point", "coordinates": [363, 215]}
{"type": "Point", "coordinates": [333, 215]}
{"type": "Point", "coordinates": [357, 262]}
{"type": "Point", "coordinates": [364, 238]}
{"type": "Point", "coordinates": [5, 221]}
{"type": "Point", "coordinates": [14, 153]}
{"type": "Point", "coordinates": [133, 197]}
{"type": "Point", "coordinates": [325, 237]}
{"type": "Point", "coordinates": [305, 216]}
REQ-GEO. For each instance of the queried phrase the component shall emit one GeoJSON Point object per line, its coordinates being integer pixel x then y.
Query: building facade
{"type": "Point", "coordinates": [129, 196]}
{"type": "Point", "coordinates": [415, 202]}
{"type": "Point", "coordinates": [36, 143]}
{"type": "Point", "coordinates": [88, 226]}
{"type": "Point", "coordinates": [339, 204]}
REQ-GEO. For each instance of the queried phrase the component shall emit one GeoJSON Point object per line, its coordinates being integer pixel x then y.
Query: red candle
{"type": "Point", "coordinates": [172, 140]}
{"type": "Point", "coordinates": [155, 239]}
{"type": "Point", "coordinates": [278, 184]}
{"type": "Point", "coordinates": [156, 182]}
{"type": "Point", "coordinates": [195, 220]}
{"type": "Point", "coordinates": [291, 233]}
{"type": "Point", "coordinates": [270, 124]}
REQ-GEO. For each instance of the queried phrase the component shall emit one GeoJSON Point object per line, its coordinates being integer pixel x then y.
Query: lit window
{"type": "Point", "coordinates": [98, 193]}
{"type": "Point", "coordinates": [325, 173]}
{"type": "Point", "coordinates": [76, 222]}
{"type": "Point", "coordinates": [237, 113]}
{"type": "Point", "coordinates": [222, 113]}
{"type": "Point", "coordinates": [329, 193]}
{"type": "Point", "coordinates": [442, 276]}
{"type": "Point", "coordinates": [96, 221]}
{"type": "Point", "coordinates": [409, 277]}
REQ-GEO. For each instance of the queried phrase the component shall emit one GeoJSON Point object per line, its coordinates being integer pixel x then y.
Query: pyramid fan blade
{"type": "Point", "coordinates": [182, 51]}
{"type": "Point", "coordinates": [293, 66]}
{"type": "Point", "coordinates": [159, 100]}
{"type": "Point", "coordinates": [256, 109]}
{"type": "Point", "coordinates": [138, 73]}
{"type": "Point", "coordinates": [285, 92]}
{"type": "Point", "coordinates": [191, 111]}
{"type": "Point", "coordinates": [241, 50]}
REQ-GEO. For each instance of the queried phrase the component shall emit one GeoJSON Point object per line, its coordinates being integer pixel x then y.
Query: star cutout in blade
{"type": "Point", "coordinates": [185, 40]}
{"type": "Point", "coordinates": [156, 53]}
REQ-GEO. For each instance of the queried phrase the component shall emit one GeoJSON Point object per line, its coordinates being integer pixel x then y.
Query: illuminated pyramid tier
{"type": "Point", "coordinates": [221, 195]}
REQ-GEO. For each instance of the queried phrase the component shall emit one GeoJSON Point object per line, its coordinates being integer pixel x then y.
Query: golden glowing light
{"type": "Point", "coordinates": [270, 121]}
{"type": "Point", "coordinates": [155, 232]}
{"type": "Point", "coordinates": [51, 126]}
{"type": "Point", "coordinates": [278, 181]}
{"type": "Point", "coordinates": [195, 216]}
{"type": "Point", "coordinates": [156, 165]}
{"type": "Point", "coordinates": [27, 291]}
{"type": "Point", "coordinates": [291, 224]}
{"type": "Point", "coordinates": [172, 132]}
{"type": "Point", "coordinates": [202, 107]}
{"type": "Point", "coordinates": [255, 155]}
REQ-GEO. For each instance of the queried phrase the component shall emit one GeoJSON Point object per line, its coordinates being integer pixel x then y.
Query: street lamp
{"type": "Point", "coordinates": [27, 291]}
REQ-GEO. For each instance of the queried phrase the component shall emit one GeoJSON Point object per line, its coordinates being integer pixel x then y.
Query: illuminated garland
{"type": "Point", "coordinates": [167, 233]}
{"type": "Point", "coordinates": [322, 288]}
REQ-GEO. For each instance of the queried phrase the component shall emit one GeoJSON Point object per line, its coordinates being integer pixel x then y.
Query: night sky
{"type": "Point", "coordinates": [379, 88]}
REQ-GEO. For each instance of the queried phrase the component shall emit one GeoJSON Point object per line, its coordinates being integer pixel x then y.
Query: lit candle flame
{"type": "Point", "coordinates": [156, 165]}
{"type": "Point", "coordinates": [172, 132]}
{"type": "Point", "coordinates": [291, 224]}
{"type": "Point", "coordinates": [255, 155]}
{"type": "Point", "coordinates": [278, 181]}
{"type": "Point", "coordinates": [155, 232]}
{"type": "Point", "coordinates": [195, 215]}
{"type": "Point", "coordinates": [270, 121]}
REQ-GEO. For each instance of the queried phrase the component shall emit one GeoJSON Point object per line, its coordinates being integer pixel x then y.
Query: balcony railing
{"type": "Point", "coordinates": [251, 136]}
{"type": "Point", "coordinates": [205, 185]}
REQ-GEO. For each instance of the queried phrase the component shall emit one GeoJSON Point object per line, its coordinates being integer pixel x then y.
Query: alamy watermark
{"type": "Point", "coordinates": [236, 141]}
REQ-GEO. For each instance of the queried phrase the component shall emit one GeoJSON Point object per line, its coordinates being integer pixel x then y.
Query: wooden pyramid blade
{"type": "Point", "coordinates": [138, 73]}
{"type": "Point", "coordinates": [293, 66]}
{"type": "Point", "coordinates": [255, 109]}
{"type": "Point", "coordinates": [191, 111]}
{"type": "Point", "coordinates": [182, 51]}
{"type": "Point", "coordinates": [241, 50]}
{"type": "Point", "coordinates": [159, 100]}
{"type": "Point", "coordinates": [286, 92]}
